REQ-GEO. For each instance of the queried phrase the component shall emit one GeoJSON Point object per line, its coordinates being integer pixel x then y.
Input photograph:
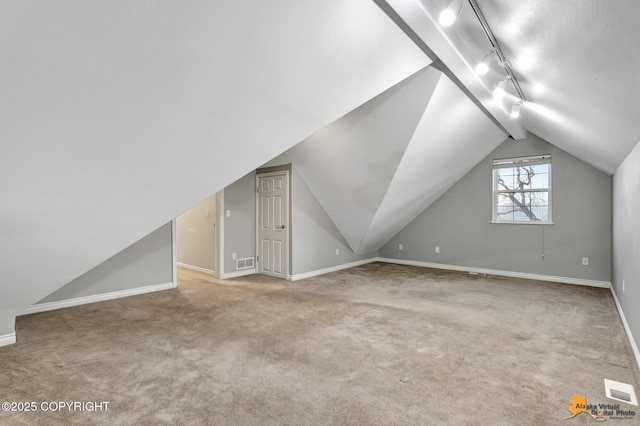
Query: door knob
{"type": "Point", "coordinates": [281, 227]}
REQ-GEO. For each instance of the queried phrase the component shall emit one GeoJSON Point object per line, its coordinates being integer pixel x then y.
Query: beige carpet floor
{"type": "Point", "coordinates": [379, 344]}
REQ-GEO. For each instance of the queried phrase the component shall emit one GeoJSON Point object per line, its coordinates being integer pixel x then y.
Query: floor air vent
{"type": "Point", "coordinates": [620, 391]}
{"type": "Point", "coordinates": [245, 263]}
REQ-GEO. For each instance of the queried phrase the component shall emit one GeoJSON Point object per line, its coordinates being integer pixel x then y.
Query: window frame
{"type": "Point", "coordinates": [503, 163]}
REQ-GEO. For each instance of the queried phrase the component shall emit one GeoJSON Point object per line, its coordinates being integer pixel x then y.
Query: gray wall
{"type": "Point", "coordinates": [459, 222]}
{"type": "Point", "coordinates": [626, 238]}
{"type": "Point", "coordinates": [314, 237]}
{"type": "Point", "coordinates": [240, 227]}
{"type": "Point", "coordinates": [196, 235]}
{"type": "Point", "coordinates": [147, 262]}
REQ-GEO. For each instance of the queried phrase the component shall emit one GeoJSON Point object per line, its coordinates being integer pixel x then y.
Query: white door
{"type": "Point", "coordinates": [273, 223]}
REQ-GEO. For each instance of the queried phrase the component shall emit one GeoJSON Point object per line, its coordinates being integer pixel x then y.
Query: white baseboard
{"type": "Point", "coordinates": [8, 339]}
{"type": "Point", "coordinates": [50, 306]}
{"type": "Point", "coordinates": [240, 273]}
{"type": "Point", "coordinates": [323, 271]}
{"type": "Point", "coordinates": [196, 268]}
{"type": "Point", "coordinates": [512, 274]}
{"type": "Point", "coordinates": [627, 330]}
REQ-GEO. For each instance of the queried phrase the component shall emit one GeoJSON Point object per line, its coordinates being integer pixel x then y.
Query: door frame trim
{"type": "Point", "coordinates": [174, 253]}
{"type": "Point", "coordinates": [284, 171]}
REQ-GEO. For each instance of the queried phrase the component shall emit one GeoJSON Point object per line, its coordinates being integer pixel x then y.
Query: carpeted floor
{"type": "Point", "coordinates": [378, 344]}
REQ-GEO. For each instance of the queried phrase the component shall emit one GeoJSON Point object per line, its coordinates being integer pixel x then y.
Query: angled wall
{"type": "Point", "coordinates": [459, 222]}
{"type": "Point", "coordinates": [146, 263]}
{"type": "Point", "coordinates": [117, 117]}
{"type": "Point", "coordinates": [314, 236]}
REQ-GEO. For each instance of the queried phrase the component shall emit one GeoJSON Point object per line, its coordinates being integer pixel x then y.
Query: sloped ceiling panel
{"type": "Point", "coordinates": [378, 167]}
{"type": "Point", "coordinates": [459, 47]}
{"type": "Point", "coordinates": [115, 117]}
{"type": "Point", "coordinates": [451, 138]}
{"type": "Point", "coordinates": [576, 62]}
{"type": "Point", "coordinates": [349, 164]}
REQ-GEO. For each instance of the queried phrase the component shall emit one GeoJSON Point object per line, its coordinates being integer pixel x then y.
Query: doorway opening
{"type": "Point", "coordinates": [197, 240]}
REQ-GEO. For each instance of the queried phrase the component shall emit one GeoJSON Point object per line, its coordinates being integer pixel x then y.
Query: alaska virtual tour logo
{"type": "Point", "coordinates": [599, 412]}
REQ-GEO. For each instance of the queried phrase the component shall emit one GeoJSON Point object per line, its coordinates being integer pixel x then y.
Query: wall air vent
{"type": "Point", "coordinates": [620, 391]}
{"type": "Point", "coordinates": [245, 263]}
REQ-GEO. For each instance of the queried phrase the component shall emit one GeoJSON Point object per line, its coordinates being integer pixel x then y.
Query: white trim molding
{"type": "Point", "coordinates": [174, 253]}
{"type": "Point", "coordinates": [625, 324]}
{"type": "Point", "coordinates": [237, 274]}
{"type": "Point", "coordinates": [77, 301]}
{"type": "Point", "coordinates": [323, 271]}
{"type": "Point", "coordinates": [196, 268]}
{"type": "Point", "coordinates": [7, 339]}
{"type": "Point", "coordinates": [220, 225]}
{"type": "Point", "coordinates": [512, 274]}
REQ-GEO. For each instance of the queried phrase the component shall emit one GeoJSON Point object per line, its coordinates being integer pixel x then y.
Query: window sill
{"type": "Point", "coordinates": [520, 223]}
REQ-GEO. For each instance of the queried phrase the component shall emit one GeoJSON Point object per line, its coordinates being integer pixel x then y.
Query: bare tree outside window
{"type": "Point", "coordinates": [522, 190]}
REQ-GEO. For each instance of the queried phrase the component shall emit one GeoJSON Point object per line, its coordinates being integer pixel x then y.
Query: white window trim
{"type": "Point", "coordinates": [504, 163]}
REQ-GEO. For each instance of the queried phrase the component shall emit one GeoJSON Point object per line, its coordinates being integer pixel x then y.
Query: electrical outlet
{"type": "Point", "coordinates": [585, 261]}
{"type": "Point", "coordinates": [622, 286]}
{"type": "Point", "coordinates": [233, 256]}
{"type": "Point", "coordinates": [437, 249]}
{"type": "Point", "coordinates": [228, 213]}
{"type": "Point", "coordinates": [337, 252]}
{"type": "Point", "coordinates": [400, 247]}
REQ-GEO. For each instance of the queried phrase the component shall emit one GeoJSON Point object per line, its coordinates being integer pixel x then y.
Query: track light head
{"type": "Point", "coordinates": [449, 15]}
{"type": "Point", "coordinates": [515, 109]}
{"type": "Point", "coordinates": [500, 89]}
{"type": "Point", "coordinates": [483, 66]}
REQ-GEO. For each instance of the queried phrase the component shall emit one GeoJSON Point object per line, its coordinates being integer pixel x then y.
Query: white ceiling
{"type": "Point", "coordinates": [576, 61]}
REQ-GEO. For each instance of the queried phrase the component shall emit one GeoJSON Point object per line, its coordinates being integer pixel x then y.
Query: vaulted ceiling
{"type": "Point", "coordinates": [117, 117]}
{"type": "Point", "coordinates": [379, 166]}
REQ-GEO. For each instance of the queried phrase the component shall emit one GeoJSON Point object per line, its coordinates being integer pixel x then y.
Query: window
{"type": "Point", "coordinates": [522, 190]}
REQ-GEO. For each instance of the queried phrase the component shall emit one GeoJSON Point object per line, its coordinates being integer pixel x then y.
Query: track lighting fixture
{"type": "Point", "coordinates": [495, 54]}
{"type": "Point", "coordinates": [483, 66]}
{"type": "Point", "coordinates": [449, 15]}
{"type": "Point", "coordinates": [498, 92]}
{"type": "Point", "coordinates": [515, 109]}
